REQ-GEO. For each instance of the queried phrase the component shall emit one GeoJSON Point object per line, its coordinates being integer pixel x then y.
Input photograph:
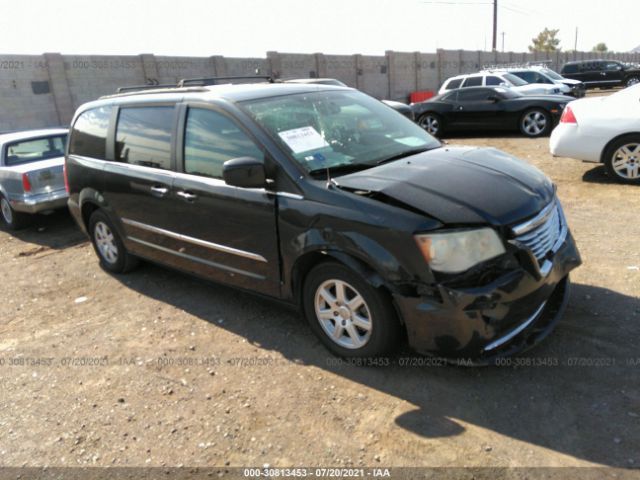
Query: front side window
{"type": "Point", "coordinates": [143, 136]}
{"type": "Point", "coordinates": [211, 139]}
{"type": "Point", "coordinates": [89, 133]}
{"type": "Point", "coordinates": [33, 150]}
{"type": "Point", "coordinates": [338, 129]}
{"type": "Point", "coordinates": [612, 67]}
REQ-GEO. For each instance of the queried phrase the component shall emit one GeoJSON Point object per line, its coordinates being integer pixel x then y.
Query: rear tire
{"type": "Point", "coordinates": [432, 123]}
{"type": "Point", "coordinates": [349, 316]}
{"type": "Point", "coordinates": [535, 122]}
{"type": "Point", "coordinates": [108, 245]}
{"type": "Point", "coordinates": [12, 219]}
{"type": "Point", "coordinates": [622, 159]}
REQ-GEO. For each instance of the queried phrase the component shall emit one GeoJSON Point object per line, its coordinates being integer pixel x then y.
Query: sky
{"type": "Point", "coordinates": [250, 28]}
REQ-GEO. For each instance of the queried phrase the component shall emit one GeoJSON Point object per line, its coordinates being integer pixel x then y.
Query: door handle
{"type": "Point", "coordinates": [158, 191]}
{"type": "Point", "coordinates": [460, 108]}
{"type": "Point", "coordinates": [188, 196]}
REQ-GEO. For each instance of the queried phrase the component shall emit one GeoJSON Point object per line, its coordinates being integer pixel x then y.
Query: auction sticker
{"type": "Point", "coordinates": [303, 139]}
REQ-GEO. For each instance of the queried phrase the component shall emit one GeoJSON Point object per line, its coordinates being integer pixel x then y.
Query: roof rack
{"type": "Point", "coordinates": [535, 63]}
{"type": "Point", "coordinates": [136, 88]}
{"type": "Point", "coordinates": [188, 82]}
{"type": "Point", "coordinates": [201, 82]}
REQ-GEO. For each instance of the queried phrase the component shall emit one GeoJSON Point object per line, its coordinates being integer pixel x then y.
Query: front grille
{"type": "Point", "coordinates": [542, 233]}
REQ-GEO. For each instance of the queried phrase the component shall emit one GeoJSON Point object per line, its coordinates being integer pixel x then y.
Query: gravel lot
{"type": "Point", "coordinates": [156, 368]}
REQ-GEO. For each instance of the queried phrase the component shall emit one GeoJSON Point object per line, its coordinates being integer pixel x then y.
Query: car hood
{"type": "Point", "coordinates": [459, 185]}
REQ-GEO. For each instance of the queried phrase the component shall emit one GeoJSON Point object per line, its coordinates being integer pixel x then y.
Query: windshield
{"type": "Point", "coordinates": [344, 130]}
{"type": "Point", "coordinates": [517, 81]}
{"type": "Point", "coordinates": [35, 149]}
{"type": "Point", "coordinates": [552, 74]}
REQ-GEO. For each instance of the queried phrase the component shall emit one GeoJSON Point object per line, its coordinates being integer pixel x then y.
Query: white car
{"type": "Point", "coordinates": [542, 74]}
{"type": "Point", "coordinates": [604, 130]}
{"type": "Point", "coordinates": [497, 79]}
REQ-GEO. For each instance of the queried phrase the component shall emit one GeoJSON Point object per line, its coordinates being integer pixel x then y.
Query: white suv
{"type": "Point", "coordinates": [503, 79]}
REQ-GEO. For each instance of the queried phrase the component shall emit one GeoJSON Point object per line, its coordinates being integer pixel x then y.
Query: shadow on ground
{"type": "Point", "coordinates": [577, 393]}
{"type": "Point", "coordinates": [54, 231]}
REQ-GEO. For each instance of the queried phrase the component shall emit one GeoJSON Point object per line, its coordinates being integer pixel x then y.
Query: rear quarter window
{"type": "Point", "coordinates": [89, 133]}
{"type": "Point", "coordinates": [451, 84]}
{"type": "Point", "coordinates": [473, 82]}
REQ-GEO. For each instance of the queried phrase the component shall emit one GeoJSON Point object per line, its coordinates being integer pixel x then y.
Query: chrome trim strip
{"type": "Point", "coordinates": [294, 196]}
{"type": "Point", "coordinates": [515, 331]}
{"type": "Point", "coordinates": [197, 259]}
{"type": "Point", "coordinates": [195, 241]}
{"type": "Point", "coordinates": [535, 221]}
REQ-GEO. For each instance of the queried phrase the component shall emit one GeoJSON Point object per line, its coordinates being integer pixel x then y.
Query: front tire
{"type": "Point", "coordinates": [12, 219]}
{"type": "Point", "coordinates": [535, 122]}
{"type": "Point", "coordinates": [432, 123]}
{"type": "Point", "coordinates": [349, 316]}
{"type": "Point", "coordinates": [629, 82]}
{"type": "Point", "coordinates": [108, 245]}
{"type": "Point", "coordinates": [622, 159]}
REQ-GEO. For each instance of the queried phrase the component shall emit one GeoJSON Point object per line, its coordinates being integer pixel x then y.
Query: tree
{"type": "Point", "coordinates": [600, 48]}
{"type": "Point", "coordinates": [546, 41]}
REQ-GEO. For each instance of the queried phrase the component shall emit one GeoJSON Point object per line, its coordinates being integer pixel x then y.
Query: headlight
{"type": "Point", "coordinates": [455, 252]}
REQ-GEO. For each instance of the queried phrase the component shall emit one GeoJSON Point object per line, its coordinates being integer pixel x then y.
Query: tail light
{"type": "Point", "coordinates": [26, 184]}
{"type": "Point", "coordinates": [64, 175]}
{"type": "Point", "coordinates": [568, 116]}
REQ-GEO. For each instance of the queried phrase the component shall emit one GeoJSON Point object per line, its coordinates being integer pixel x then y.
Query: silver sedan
{"type": "Point", "coordinates": [31, 174]}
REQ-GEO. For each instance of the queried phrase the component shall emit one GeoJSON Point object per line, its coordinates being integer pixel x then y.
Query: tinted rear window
{"type": "Point", "coordinates": [143, 136]}
{"type": "Point", "coordinates": [473, 82]}
{"type": "Point", "coordinates": [89, 133]}
{"type": "Point", "coordinates": [571, 68]}
{"type": "Point", "coordinates": [454, 84]}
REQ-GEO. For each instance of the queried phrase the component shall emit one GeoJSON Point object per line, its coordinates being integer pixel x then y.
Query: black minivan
{"type": "Point", "coordinates": [324, 197]}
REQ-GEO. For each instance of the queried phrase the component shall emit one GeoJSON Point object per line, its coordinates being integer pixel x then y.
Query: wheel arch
{"type": "Point", "coordinates": [615, 139]}
{"type": "Point", "coordinates": [309, 260]}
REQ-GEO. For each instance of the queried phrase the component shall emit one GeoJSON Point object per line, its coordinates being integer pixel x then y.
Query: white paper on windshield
{"type": "Point", "coordinates": [303, 139]}
{"type": "Point", "coordinates": [411, 141]}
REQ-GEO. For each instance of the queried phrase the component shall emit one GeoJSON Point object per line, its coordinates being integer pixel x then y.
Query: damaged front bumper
{"type": "Point", "coordinates": [512, 312]}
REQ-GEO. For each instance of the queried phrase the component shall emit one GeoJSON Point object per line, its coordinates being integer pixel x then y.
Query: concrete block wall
{"type": "Point", "coordinates": [44, 90]}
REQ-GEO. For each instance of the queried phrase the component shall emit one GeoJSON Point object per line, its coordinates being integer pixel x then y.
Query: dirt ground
{"type": "Point", "coordinates": [156, 368]}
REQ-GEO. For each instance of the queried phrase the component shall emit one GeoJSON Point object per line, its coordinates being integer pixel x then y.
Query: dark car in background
{"type": "Point", "coordinates": [490, 108]}
{"type": "Point", "coordinates": [324, 198]}
{"type": "Point", "coordinates": [602, 73]}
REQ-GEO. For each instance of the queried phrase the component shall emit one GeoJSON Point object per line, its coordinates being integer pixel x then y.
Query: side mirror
{"type": "Point", "coordinates": [245, 172]}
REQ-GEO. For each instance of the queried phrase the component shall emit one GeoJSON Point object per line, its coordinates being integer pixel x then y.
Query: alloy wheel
{"type": "Point", "coordinates": [106, 243]}
{"type": "Point", "coordinates": [626, 161]}
{"type": "Point", "coordinates": [534, 123]}
{"type": "Point", "coordinates": [343, 314]}
{"type": "Point", "coordinates": [633, 81]}
{"type": "Point", "coordinates": [430, 124]}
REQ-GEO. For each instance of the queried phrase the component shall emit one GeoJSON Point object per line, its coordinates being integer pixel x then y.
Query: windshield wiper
{"type": "Point", "coordinates": [344, 168]}
{"type": "Point", "coordinates": [404, 154]}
